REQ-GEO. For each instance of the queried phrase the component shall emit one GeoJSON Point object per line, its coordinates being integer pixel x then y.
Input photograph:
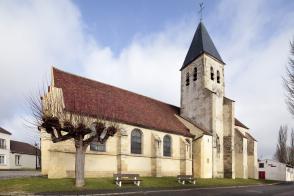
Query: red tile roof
{"type": "Point", "coordinates": [23, 148]}
{"type": "Point", "coordinates": [4, 131]}
{"type": "Point", "coordinates": [89, 97]}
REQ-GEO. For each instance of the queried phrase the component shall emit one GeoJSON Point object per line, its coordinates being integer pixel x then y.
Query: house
{"type": "Point", "coordinates": [201, 137]}
{"type": "Point", "coordinates": [275, 170]}
{"type": "Point", "coordinates": [16, 154]}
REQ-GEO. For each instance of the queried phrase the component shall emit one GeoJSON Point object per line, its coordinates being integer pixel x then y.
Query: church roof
{"type": "Point", "coordinates": [239, 124]}
{"type": "Point", "coordinates": [201, 43]}
{"type": "Point", "coordinates": [240, 133]}
{"type": "Point", "coordinates": [89, 97]}
{"type": "Point", "coordinates": [205, 131]}
{"type": "Point", "coordinates": [4, 131]}
{"type": "Point", "coordinates": [249, 136]}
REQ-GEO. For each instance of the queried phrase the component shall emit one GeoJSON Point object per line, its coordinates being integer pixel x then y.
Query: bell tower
{"type": "Point", "coordinates": [202, 92]}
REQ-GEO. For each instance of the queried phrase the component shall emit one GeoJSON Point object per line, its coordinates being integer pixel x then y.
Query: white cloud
{"type": "Point", "coordinates": [256, 59]}
{"type": "Point", "coordinates": [34, 36]}
{"type": "Point", "coordinates": [21, 129]}
{"type": "Point", "coordinates": [37, 34]}
{"type": "Point", "coordinates": [149, 65]}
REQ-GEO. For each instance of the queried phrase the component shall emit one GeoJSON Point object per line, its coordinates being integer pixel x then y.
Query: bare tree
{"type": "Point", "coordinates": [289, 80]}
{"type": "Point", "coordinates": [281, 150]}
{"type": "Point", "coordinates": [65, 125]}
{"type": "Point", "coordinates": [291, 149]}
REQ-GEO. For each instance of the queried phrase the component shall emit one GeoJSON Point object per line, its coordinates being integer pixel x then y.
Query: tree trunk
{"type": "Point", "coordinates": [80, 164]}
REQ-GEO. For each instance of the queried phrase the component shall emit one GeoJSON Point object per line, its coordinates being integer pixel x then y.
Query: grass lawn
{"type": "Point", "coordinates": [43, 184]}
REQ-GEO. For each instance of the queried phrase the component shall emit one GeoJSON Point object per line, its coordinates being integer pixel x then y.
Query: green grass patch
{"type": "Point", "coordinates": [43, 184]}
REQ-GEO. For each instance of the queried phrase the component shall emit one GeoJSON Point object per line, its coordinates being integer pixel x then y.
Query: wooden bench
{"type": "Point", "coordinates": [186, 178]}
{"type": "Point", "coordinates": [126, 178]}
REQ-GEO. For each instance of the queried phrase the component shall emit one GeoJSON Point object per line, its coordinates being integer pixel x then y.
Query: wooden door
{"type": "Point", "coordinates": [261, 175]}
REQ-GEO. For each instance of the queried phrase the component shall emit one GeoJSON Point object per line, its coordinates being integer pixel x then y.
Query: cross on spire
{"type": "Point", "coordinates": [201, 10]}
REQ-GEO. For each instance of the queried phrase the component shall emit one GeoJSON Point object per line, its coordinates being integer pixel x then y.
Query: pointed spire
{"type": "Point", "coordinates": [201, 43]}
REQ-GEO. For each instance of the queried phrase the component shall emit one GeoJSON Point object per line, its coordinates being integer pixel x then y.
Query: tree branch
{"type": "Point", "coordinates": [62, 138]}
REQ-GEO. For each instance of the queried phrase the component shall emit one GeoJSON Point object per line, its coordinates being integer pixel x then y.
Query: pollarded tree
{"type": "Point", "coordinates": [63, 125]}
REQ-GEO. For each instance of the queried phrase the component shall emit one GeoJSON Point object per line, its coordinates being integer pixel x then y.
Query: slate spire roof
{"type": "Point", "coordinates": [201, 43]}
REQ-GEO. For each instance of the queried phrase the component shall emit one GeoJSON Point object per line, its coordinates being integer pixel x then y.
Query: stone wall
{"type": "Point", "coordinates": [156, 153]}
{"type": "Point", "coordinates": [229, 135]}
{"type": "Point", "coordinates": [217, 133]}
{"type": "Point", "coordinates": [202, 157]}
{"type": "Point", "coordinates": [209, 84]}
{"type": "Point", "coordinates": [241, 162]}
{"type": "Point", "coordinates": [250, 147]}
{"type": "Point", "coordinates": [252, 159]}
{"type": "Point", "coordinates": [197, 158]}
{"type": "Point", "coordinates": [202, 103]}
{"type": "Point", "coordinates": [58, 159]}
{"type": "Point", "coordinates": [195, 100]}
{"type": "Point", "coordinates": [228, 166]}
{"type": "Point", "coordinates": [239, 166]}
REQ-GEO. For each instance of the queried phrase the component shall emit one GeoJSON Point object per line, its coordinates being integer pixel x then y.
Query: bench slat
{"type": "Point", "coordinates": [120, 178]}
{"type": "Point", "coordinates": [183, 178]}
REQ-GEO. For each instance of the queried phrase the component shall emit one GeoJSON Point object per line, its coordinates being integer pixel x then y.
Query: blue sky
{"type": "Point", "coordinates": [115, 23]}
{"type": "Point", "coordinates": [139, 45]}
{"type": "Point", "coordinates": [124, 19]}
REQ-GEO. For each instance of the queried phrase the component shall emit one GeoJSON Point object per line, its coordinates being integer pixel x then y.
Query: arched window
{"type": "Point", "coordinates": [195, 74]}
{"type": "Point", "coordinates": [136, 141]}
{"type": "Point", "coordinates": [187, 79]}
{"type": "Point", "coordinates": [217, 77]}
{"type": "Point", "coordinates": [211, 73]}
{"type": "Point", "coordinates": [167, 146]}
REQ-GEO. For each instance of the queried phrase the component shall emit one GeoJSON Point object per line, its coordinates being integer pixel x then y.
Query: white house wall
{"type": "Point", "coordinates": [274, 170]}
{"type": "Point", "coordinates": [289, 174]}
{"type": "Point", "coordinates": [26, 161]}
{"type": "Point", "coordinates": [6, 151]}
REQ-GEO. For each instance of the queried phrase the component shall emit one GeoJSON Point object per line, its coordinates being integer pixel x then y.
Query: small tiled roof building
{"type": "Point", "coordinates": [16, 154]}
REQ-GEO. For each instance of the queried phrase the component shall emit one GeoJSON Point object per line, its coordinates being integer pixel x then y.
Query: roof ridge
{"type": "Point", "coordinates": [22, 142]}
{"type": "Point", "coordinates": [201, 36]}
{"type": "Point", "coordinates": [240, 124]}
{"type": "Point", "coordinates": [23, 148]}
{"type": "Point", "coordinates": [250, 136]}
{"type": "Point", "coordinates": [195, 124]}
{"type": "Point", "coordinates": [115, 87]}
{"type": "Point", "coordinates": [4, 131]}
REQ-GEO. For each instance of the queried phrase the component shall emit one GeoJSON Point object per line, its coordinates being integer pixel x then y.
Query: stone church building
{"type": "Point", "coordinates": [201, 137]}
